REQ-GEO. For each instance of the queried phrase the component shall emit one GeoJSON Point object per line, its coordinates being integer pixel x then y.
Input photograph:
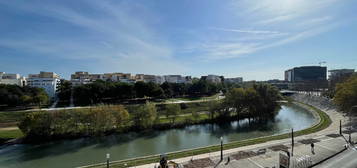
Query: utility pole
{"type": "Point", "coordinates": [340, 127]}
{"type": "Point", "coordinates": [292, 141]}
{"type": "Point", "coordinates": [221, 148]}
{"type": "Point", "coordinates": [350, 138]}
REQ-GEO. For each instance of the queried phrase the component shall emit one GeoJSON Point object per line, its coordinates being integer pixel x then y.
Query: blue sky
{"type": "Point", "coordinates": [255, 39]}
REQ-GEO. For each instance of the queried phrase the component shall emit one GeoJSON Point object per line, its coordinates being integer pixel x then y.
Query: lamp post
{"type": "Point", "coordinates": [340, 127]}
{"type": "Point", "coordinates": [292, 141]}
{"type": "Point", "coordinates": [221, 148]}
{"type": "Point", "coordinates": [108, 157]}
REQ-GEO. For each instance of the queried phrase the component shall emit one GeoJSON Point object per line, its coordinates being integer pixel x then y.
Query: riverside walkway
{"type": "Point", "coordinates": [327, 142]}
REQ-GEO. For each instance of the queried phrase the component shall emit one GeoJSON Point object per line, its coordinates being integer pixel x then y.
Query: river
{"type": "Point", "coordinates": [84, 151]}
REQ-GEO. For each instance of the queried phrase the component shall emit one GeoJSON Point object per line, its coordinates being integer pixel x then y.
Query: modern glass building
{"type": "Point", "coordinates": [306, 73]}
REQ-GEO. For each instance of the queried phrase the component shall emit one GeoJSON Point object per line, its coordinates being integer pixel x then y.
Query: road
{"type": "Point", "coordinates": [346, 159]}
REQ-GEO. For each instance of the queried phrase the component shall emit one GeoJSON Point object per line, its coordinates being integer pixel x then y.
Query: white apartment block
{"type": "Point", "coordinates": [177, 79]}
{"type": "Point", "coordinates": [46, 80]}
{"type": "Point", "coordinates": [80, 78]}
{"type": "Point", "coordinates": [12, 79]}
{"type": "Point", "coordinates": [213, 78]}
{"type": "Point", "coordinates": [234, 80]}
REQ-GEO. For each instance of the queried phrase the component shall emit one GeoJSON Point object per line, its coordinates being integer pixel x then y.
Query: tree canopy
{"type": "Point", "coordinates": [346, 94]}
{"type": "Point", "coordinates": [13, 95]}
{"type": "Point", "coordinates": [106, 91]}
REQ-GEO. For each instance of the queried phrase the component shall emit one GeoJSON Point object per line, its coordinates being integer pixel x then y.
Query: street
{"type": "Point", "coordinates": [346, 159]}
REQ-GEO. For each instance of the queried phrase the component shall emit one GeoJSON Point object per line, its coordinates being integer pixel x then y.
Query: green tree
{"type": "Point", "coordinates": [195, 115]}
{"type": "Point", "coordinates": [64, 91]}
{"type": "Point", "coordinates": [40, 97]}
{"type": "Point", "coordinates": [236, 98]}
{"type": "Point", "coordinates": [346, 94]}
{"type": "Point", "coordinates": [145, 115]}
{"type": "Point", "coordinates": [121, 116]}
{"type": "Point", "coordinates": [172, 111]}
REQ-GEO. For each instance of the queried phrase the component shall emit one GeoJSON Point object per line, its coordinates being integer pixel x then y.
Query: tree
{"type": "Point", "coordinates": [195, 114]}
{"type": "Point", "coordinates": [64, 91]}
{"type": "Point", "coordinates": [121, 116]}
{"type": "Point", "coordinates": [235, 98]}
{"type": "Point", "coordinates": [346, 94]}
{"type": "Point", "coordinates": [145, 115]}
{"type": "Point", "coordinates": [172, 111]}
{"type": "Point", "coordinates": [41, 97]}
{"type": "Point", "coordinates": [167, 88]}
{"type": "Point", "coordinates": [141, 89]}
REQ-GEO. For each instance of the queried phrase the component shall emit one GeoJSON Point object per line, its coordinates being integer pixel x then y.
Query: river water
{"type": "Point", "coordinates": [84, 151]}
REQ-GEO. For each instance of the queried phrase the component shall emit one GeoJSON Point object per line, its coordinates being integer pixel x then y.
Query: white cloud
{"type": "Point", "coordinates": [113, 36]}
{"type": "Point", "coordinates": [248, 31]}
{"type": "Point", "coordinates": [265, 24]}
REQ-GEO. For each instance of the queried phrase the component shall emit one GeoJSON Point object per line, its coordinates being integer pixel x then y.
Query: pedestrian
{"type": "Point", "coordinates": [312, 148]}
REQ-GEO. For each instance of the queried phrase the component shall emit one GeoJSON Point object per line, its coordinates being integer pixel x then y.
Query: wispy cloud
{"type": "Point", "coordinates": [268, 24]}
{"type": "Point", "coordinates": [112, 35]}
{"type": "Point", "coordinates": [248, 31]}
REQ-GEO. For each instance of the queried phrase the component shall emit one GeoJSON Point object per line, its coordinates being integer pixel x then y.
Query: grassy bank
{"type": "Point", "coordinates": [11, 116]}
{"type": "Point", "coordinates": [325, 121]}
{"type": "Point", "coordinates": [6, 135]}
{"type": "Point", "coordinates": [208, 98]}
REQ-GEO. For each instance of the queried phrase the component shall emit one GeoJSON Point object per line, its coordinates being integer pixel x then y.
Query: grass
{"type": "Point", "coordinates": [11, 116]}
{"type": "Point", "coordinates": [325, 121]}
{"type": "Point", "coordinates": [182, 119]}
{"type": "Point", "coordinates": [11, 134]}
{"type": "Point", "coordinates": [213, 97]}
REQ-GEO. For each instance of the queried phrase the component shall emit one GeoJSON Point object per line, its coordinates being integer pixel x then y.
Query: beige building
{"type": "Point", "coordinates": [80, 78]}
{"type": "Point", "coordinates": [49, 81]}
{"type": "Point", "coordinates": [178, 79]}
{"type": "Point", "coordinates": [12, 79]}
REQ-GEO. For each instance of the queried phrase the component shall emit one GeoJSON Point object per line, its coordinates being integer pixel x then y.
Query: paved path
{"type": "Point", "coordinates": [324, 148]}
{"type": "Point", "coordinates": [346, 159]}
{"type": "Point", "coordinates": [8, 128]}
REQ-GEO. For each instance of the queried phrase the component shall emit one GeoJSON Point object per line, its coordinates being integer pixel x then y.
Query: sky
{"type": "Point", "coordinates": [253, 39]}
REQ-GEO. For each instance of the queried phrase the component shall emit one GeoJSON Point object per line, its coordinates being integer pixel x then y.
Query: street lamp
{"type": "Point", "coordinates": [108, 157]}
{"type": "Point", "coordinates": [221, 148]}
{"type": "Point", "coordinates": [292, 141]}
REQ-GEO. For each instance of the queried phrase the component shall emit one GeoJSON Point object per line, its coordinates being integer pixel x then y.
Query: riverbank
{"type": "Point", "coordinates": [323, 123]}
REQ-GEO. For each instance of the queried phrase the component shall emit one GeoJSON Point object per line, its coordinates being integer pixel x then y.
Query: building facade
{"type": "Point", "coordinates": [234, 80]}
{"type": "Point", "coordinates": [80, 77]}
{"type": "Point", "coordinates": [49, 81]}
{"type": "Point", "coordinates": [177, 79]}
{"type": "Point", "coordinates": [213, 78]}
{"type": "Point", "coordinates": [306, 73]}
{"type": "Point", "coordinates": [12, 79]}
{"type": "Point", "coordinates": [338, 76]}
{"type": "Point", "coordinates": [307, 78]}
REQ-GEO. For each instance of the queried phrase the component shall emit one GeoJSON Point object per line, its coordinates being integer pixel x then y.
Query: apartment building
{"type": "Point", "coordinates": [234, 80]}
{"type": "Point", "coordinates": [46, 80]}
{"type": "Point", "coordinates": [12, 79]}
{"type": "Point", "coordinates": [177, 79]}
{"type": "Point", "coordinates": [80, 77]}
{"type": "Point", "coordinates": [338, 76]}
{"type": "Point", "coordinates": [213, 78]}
